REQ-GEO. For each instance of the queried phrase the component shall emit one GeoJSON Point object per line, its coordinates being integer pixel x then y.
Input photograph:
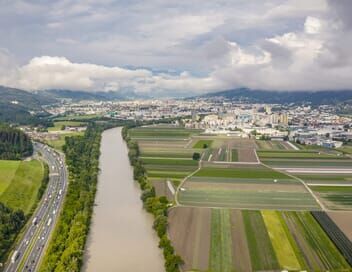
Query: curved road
{"type": "Point", "coordinates": [30, 248]}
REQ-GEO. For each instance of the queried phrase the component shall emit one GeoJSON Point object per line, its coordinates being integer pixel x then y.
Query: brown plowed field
{"type": "Point", "coordinates": [246, 155]}
{"type": "Point", "coordinates": [240, 251]}
{"type": "Point", "coordinates": [344, 221]}
{"type": "Point", "coordinates": [161, 189]}
{"type": "Point", "coordinates": [189, 231]}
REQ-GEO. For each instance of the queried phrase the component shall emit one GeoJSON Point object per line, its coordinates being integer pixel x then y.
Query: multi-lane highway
{"type": "Point", "coordinates": [30, 248]}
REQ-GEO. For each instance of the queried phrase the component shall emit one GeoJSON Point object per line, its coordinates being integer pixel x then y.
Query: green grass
{"type": "Point", "coordinates": [337, 196]}
{"type": "Point", "coordinates": [248, 199]}
{"type": "Point", "coordinates": [58, 125]}
{"type": "Point", "coordinates": [162, 132]}
{"type": "Point", "coordinates": [304, 163]}
{"type": "Point", "coordinates": [250, 173]}
{"type": "Point", "coordinates": [59, 143]}
{"type": "Point", "coordinates": [281, 243]}
{"type": "Point", "coordinates": [297, 155]}
{"type": "Point", "coordinates": [23, 189]}
{"type": "Point", "coordinates": [261, 251]}
{"type": "Point", "coordinates": [85, 117]}
{"type": "Point", "coordinates": [201, 143]}
{"type": "Point", "coordinates": [7, 172]}
{"type": "Point", "coordinates": [168, 174]}
{"type": "Point", "coordinates": [221, 242]}
{"type": "Point", "coordinates": [166, 161]}
{"type": "Point", "coordinates": [234, 155]}
{"type": "Point", "coordinates": [320, 242]}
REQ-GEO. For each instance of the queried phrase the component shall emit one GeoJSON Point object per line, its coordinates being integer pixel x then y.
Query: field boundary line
{"type": "Point", "coordinates": [224, 162]}
{"type": "Point", "coordinates": [304, 184]}
{"type": "Point", "coordinates": [256, 155]}
{"type": "Point", "coordinates": [292, 145]}
{"type": "Point", "coordinates": [184, 180]}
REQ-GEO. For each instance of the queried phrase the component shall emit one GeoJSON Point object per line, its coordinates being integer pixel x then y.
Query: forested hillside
{"type": "Point", "coordinates": [10, 224]}
{"type": "Point", "coordinates": [14, 143]}
{"type": "Point", "coordinates": [18, 106]}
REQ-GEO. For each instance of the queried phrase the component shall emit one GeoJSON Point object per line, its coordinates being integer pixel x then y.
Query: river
{"type": "Point", "coordinates": [121, 237]}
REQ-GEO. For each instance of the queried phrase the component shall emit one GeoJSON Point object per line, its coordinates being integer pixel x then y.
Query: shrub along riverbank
{"type": "Point", "coordinates": [65, 251]}
{"type": "Point", "coordinates": [158, 206]}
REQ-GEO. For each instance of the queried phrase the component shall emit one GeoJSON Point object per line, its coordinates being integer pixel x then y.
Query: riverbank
{"type": "Point", "coordinates": [157, 206]}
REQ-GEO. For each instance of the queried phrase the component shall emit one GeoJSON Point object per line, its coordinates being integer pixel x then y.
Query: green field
{"type": "Point", "coordinates": [322, 247]}
{"type": "Point", "coordinates": [280, 240]}
{"type": "Point", "coordinates": [336, 197]}
{"type": "Point", "coordinates": [221, 243]}
{"type": "Point", "coordinates": [158, 132]}
{"type": "Point", "coordinates": [261, 251]}
{"type": "Point", "coordinates": [311, 163]}
{"type": "Point", "coordinates": [248, 199]}
{"type": "Point", "coordinates": [203, 143]}
{"type": "Point", "coordinates": [58, 125]}
{"type": "Point", "coordinates": [7, 172]}
{"type": "Point", "coordinates": [250, 173]}
{"type": "Point", "coordinates": [171, 162]}
{"type": "Point", "coordinates": [270, 145]}
{"type": "Point", "coordinates": [22, 191]}
{"type": "Point", "coordinates": [59, 143]}
{"type": "Point", "coordinates": [234, 155]}
{"type": "Point", "coordinates": [298, 155]}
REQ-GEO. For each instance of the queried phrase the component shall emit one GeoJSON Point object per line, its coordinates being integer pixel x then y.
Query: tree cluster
{"type": "Point", "coordinates": [65, 252]}
{"type": "Point", "coordinates": [158, 206]}
{"type": "Point", "coordinates": [11, 223]}
{"type": "Point", "coordinates": [14, 144]}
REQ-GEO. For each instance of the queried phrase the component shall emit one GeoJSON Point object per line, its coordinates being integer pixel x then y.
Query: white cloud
{"type": "Point", "coordinates": [264, 44]}
{"type": "Point", "coordinates": [312, 25]}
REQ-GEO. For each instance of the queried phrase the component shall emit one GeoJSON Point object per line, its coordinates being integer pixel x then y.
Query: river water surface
{"type": "Point", "coordinates": [121, 237]}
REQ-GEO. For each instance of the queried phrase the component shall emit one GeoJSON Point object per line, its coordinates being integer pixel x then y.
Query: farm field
{"type": "Point", "coordinates": [326, 179]}
{"type": "Point", "coordinates": [21, 191]}
{"type": "Point", "coordinates": [59, 143]}
{"type": "Point", "coordinates": [234, 240]}
{"type": "Point", "coordinates": [234, 155]}
{"type": "Point", "coordinates": [162, 132]}
{"type": "Point", "coordinates": [307, 163]}
{"type": "Point", "coordinates": [203, 144]}
{"type": "Point", "coordinates": [249, 172]}
{"type": "Point", "coordinates": [343, 219]}
{"type": "Point", "coordinates": [234, 213]}
{"type": "Point", "coordinates": [58, 125]}
{"type": "Point", "coordinates": [273, 145]}
{"type": "Point", "coordinates": [302, 155]}
{"type": "Point", "coordinates": [335, 197]}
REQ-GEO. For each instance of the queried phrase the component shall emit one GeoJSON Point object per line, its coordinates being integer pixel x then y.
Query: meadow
{"type": "Point", "coordinates": [22, 189]}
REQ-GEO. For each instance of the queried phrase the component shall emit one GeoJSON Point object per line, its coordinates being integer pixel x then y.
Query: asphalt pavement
{"type": "Point", "coordinates": [30, 249]}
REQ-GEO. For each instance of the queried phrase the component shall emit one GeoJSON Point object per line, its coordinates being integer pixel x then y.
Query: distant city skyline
{"type": "Point", "coordinates": [176, 46]}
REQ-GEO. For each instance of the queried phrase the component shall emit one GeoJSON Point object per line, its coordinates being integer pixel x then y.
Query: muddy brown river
{"type": "Point", "coordinates": [121, 237]}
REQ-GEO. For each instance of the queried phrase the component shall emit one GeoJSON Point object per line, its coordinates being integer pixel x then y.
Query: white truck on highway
{"type": "Point", "coordinates": [15, 256]}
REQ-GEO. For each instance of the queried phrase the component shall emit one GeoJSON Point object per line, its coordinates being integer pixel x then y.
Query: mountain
{"type": "Point", "coordinates": [282, 97]}
{"type": "Point", "coordinates": [96, 96]}
{"type": "Point", "coordinates": [18, 106]}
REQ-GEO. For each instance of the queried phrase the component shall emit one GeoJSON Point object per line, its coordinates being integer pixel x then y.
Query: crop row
{"type": "Point", "coordinates": [335, 234]}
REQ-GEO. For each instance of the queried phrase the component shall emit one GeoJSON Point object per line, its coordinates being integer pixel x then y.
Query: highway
{"type": "Point", "coordinates": [29, 250]}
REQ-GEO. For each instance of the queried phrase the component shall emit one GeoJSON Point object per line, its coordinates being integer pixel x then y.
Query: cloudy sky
{"type": "Point", "coordinates": [176, 47]}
